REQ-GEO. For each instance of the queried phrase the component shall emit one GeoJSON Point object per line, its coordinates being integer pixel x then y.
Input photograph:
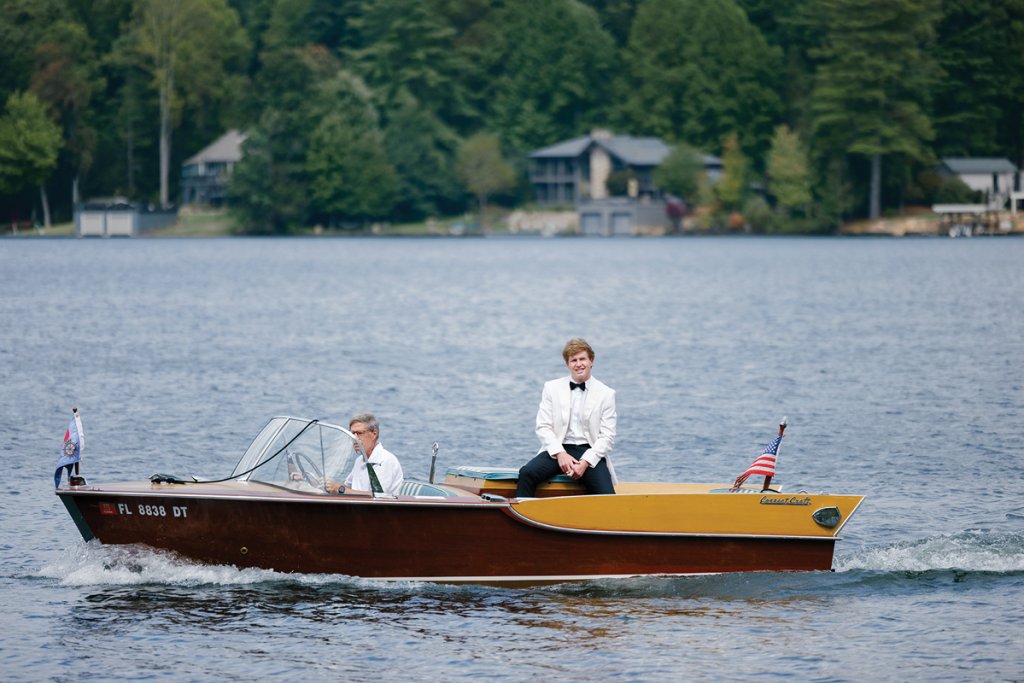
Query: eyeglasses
{"type": "Point", "coordinates": [364, 431]}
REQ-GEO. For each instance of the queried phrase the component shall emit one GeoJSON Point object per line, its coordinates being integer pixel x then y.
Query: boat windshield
{"type": "Point", "coordinates": [296, 454]}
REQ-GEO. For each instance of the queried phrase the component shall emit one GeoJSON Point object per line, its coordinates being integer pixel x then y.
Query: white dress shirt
{"type": "Point", "coordinates": [385, 466]}
{"type": "Point", "coordinates": [574, 434]}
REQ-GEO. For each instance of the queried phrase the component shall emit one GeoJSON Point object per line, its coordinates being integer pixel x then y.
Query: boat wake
{"type": "Point", "coordinates": [957, 555]}
{"type": "Point", "coordinates": [968, 551]}
{"type": "Point", "coordinates": [95, 564]}
{"type": "Point", "coordinates": [90, 564]}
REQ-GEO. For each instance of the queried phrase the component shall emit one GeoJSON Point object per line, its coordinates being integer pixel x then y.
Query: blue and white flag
{"type": "Point", "coordinates": [74, 442]}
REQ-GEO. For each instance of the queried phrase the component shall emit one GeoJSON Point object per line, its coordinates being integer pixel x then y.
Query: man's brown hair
{"type": "Point", "coordinates": [576, 345]}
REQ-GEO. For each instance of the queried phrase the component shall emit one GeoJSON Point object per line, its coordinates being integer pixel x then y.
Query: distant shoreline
{"type": "Point", "coordinates": [219, 224]}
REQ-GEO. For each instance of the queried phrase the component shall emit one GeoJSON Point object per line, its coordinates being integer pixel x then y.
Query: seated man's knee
{"type": "Point", "coordinates": [529, 475]}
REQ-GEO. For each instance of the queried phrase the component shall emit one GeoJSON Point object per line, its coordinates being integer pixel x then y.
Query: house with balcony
{"type": "Point", "coordinates": [576, 172]}
{"type": "Point", "coordinates": [205, 176]}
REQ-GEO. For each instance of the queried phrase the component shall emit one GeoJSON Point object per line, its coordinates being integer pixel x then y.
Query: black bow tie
{"type": "Point", "coordinates": [582, 386]}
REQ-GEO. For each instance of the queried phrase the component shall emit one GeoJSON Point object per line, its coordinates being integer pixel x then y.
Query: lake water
{"type": "Point", "coordinates": [898, 363]}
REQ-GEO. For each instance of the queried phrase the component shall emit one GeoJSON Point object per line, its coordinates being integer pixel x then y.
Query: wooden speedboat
{"type": "Point", "coordinates": [276, 511]}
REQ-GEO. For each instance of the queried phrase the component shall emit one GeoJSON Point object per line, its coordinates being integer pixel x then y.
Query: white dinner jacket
{"type": "Point", "coordinates": [598, 419]}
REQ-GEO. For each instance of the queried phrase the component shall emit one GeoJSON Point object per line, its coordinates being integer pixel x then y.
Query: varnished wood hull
{"type": "Point", "coordinates": [462, 539]}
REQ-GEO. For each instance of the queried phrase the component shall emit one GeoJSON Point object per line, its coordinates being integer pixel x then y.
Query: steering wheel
{"type": "Point", "coordinates": [307, 468]}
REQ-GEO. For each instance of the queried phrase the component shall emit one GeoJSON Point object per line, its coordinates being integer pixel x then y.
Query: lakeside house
{"type": "Point", "coordinates": [576, 172]}
{"type": "Point", "coordinates": [205, 176]}
{"type": "Point", "coordinates": [995, 178]}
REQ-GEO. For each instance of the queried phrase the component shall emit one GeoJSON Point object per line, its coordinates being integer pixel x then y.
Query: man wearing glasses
{"type": "Point", "coordinates": [376, 468]}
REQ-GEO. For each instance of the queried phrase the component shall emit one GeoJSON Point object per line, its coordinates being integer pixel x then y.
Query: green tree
{"type": "Point", "coordinates": [871, 91]}
{"type": "Point", "coordinates": [268, 189]}
{"type": "Point", "coordinates": [680, 172]}
{"type": "Point", "coordinates": [617, 16]}
{"type": "Point", "coordinates": [65, 78]}
{"type": "Point", "coordinates": [790, 26]}
{"type": "Point", "coordinates": [956, 191]}
{"type": "Point", "coordinates": [406, 49]}
{"type": "Point", "coordinates": [29, 142]}
{"type": "Point", "coordinates": [1012, 96]}
{"type": "Point", "coordinates": [405, 53]}
{"type": "Point", "coordinates": [788, 172]}
{"type": "Point", "coordinates": [46, 48]}
{"type": "Point", "coordinates": [349, 173]}
{"type": "Point", "coordinates": [23, 26]}
{"type": "Point", "coordinates": [346, 160]}
{"type": "Point", "coordinates": [697, 70]}
{"type": "Point", "coordinates": [422, 149]}
{"type": "Point", "coordinates": [129, 138]}
{"type": "Point", "coordinates": [834, 193]}
{"type": "Point", "coordinates": [482, 169]}
{"type": "Point", "coordinates": [291, 78]}
{"type": "Point", "coordinates": [978, 106]}
{"type": "Point", "coordinates": [297, 23]}
{"type": "Point", "coordinates": [317, 151]}
{"type": "Point", "coordinates": [732, 187]}
{"type": "Point", "coordinates": [547, 65]}
{"type": "Point", "coordinates": [187, 47]}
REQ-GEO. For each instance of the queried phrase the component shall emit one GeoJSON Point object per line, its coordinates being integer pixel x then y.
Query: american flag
{"type": "Point", "coordinates": [765, 463]}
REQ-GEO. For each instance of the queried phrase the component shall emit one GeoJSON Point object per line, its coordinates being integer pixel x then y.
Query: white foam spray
{"type": "Point", "coordinates": [974, 551]}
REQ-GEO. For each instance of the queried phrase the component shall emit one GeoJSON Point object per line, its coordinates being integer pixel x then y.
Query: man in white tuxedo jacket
{"type": "Point", "coordinates": [576, 428]}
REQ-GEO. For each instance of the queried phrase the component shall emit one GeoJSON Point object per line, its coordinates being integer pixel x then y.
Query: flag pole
{"type": "Point", "coordinates": [78, 421]}
{"type": "Point", "coordinates": [768, 478]}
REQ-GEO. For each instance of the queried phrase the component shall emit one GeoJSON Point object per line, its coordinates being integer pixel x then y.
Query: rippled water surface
{"type": "Point", "coordinates": [898, 362]}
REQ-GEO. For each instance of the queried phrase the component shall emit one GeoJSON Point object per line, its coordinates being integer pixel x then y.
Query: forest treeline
{"type": "Point", "coordinates": [398, 110]}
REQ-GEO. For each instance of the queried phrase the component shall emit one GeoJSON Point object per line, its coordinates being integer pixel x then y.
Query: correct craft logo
{"type": "Point", "coordinates": [785, 500]}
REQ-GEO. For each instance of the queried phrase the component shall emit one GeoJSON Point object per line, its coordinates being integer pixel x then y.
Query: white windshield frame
{"type": "Point", "coordinates": [268, 459]}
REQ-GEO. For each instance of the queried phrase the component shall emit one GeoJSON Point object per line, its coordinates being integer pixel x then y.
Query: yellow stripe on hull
{"type": "Point", "coordinates": [733, 514]}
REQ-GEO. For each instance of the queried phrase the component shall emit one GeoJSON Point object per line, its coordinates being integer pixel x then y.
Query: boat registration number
{"type": "Point", "coordinates": [180, 511]}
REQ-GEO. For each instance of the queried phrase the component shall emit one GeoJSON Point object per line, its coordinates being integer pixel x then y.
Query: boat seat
{"type": "Point", "coordinates": [502, 481]}
{"type": "Point", "coordinates": [499, 474]}
{"type": "Point", "coordinates": [411, 487]}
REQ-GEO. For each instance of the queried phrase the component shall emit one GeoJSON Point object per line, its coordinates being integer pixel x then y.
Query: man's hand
{"type": "Point", "coordinates": [578, 468]}
{"type": "Point", "coordinates": [566, 463]}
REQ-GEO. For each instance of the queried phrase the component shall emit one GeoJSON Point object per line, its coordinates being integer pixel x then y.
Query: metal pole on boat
{"type": "Point", "coordinates": [433, 460]}
{"type": "Point", "coordinates": [768, 479]}
{"type": "Point", "coordinates": [78, 426]}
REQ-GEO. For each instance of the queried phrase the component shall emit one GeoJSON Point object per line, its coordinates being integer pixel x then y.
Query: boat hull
{"type": "Point", "coordinates": [454, 540]}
